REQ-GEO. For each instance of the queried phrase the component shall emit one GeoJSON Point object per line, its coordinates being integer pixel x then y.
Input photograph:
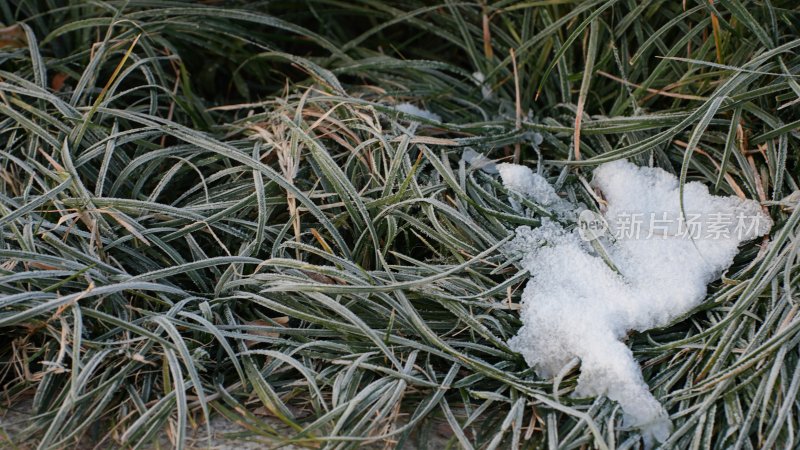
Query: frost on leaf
{"type": "Point", "coordinates": [577, 305]}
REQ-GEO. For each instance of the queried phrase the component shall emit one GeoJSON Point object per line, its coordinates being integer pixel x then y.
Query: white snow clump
{"type": "Point", "coordinates": [576, 305]}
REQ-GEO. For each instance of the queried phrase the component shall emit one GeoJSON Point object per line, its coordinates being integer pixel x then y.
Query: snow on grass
{"type": "Point", "coordinates": [477, 160]}
{"type": "Point", "coordinates": [576, 305]}
{"type": "Point", "coordinates": [486, 89]}
{"type": "Point", "coordinates": [522, 180]}
{"type": "Point", "coordinates": [410, 109]}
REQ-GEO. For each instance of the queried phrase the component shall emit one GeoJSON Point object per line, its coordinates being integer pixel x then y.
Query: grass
{"type": "Point", "coordinates": [210, 208]}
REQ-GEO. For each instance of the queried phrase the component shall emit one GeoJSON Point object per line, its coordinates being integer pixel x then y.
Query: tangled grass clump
{"type": "Point", "coordinates": [215, 207]}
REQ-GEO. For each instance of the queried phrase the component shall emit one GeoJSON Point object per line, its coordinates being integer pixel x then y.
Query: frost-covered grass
{"type": "Point", "coordinates": [222, 208]}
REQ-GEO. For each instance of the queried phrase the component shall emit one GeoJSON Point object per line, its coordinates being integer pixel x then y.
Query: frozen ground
{"type": "Point", "coordinates": [226, 436]}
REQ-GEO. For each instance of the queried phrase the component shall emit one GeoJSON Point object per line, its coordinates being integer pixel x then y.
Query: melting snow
{"type": "Point", "coordinates": [576, 305]}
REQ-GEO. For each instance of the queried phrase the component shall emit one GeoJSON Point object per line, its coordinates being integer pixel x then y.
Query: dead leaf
{"type": "Point", "coordinates": [58, 81]}
{"type": "Point", "coordinates": [428, 140]}
{"type": "Point", "coordinates": [281, 321]}
{"type": "Point", "coordinates": [13, 36]}
{"type": "Point", "coordinates": [320, 278]}
{"type": "Point", "coordinates": [262, 411]}
{"type": "Point", "coordinates": [52, 161]}
{"type": "Point", "coordinates": [43, 266]}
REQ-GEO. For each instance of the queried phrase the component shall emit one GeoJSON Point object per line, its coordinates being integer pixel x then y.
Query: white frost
{"type": "Point", "coordinates": [575, 305]}
{"type": "Point", "coordinates": [408, 108]}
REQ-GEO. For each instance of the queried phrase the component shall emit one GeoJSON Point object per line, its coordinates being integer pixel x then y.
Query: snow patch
{"type": "Point", "coordinates": [521, 180]}
{"type": "Point", "coordinates": [477, 160]}
{"type": "Point", "coordinates": [576, 305]}
{"type": "Point", "coordinates": [413, 110]}
{"type": "Point", "coordinates": [486, 89]}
